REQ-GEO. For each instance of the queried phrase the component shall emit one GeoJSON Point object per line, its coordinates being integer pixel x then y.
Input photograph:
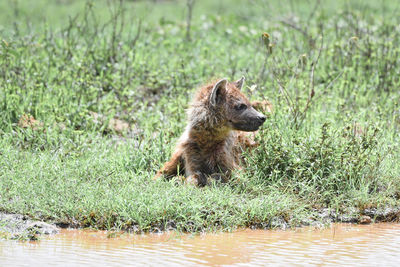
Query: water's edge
{"type": "Point", "coordinates": [18, 226]}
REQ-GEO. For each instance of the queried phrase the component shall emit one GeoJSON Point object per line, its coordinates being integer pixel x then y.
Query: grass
{"type": "Point", "coordinates": [330, 70]}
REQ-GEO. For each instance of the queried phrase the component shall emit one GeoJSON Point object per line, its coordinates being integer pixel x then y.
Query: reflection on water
{"type": "Point", "coordinates": [342, 244]}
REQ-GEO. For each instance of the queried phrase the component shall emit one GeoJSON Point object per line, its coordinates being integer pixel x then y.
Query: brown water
{"type": "Point", "coordinates": [342, 244]}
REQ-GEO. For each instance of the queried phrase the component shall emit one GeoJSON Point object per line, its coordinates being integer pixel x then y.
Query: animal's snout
{"type": "Point", "coordinates": [262, 118]}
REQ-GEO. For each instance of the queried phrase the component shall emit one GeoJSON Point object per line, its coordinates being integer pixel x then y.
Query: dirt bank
{"type": "Point", "coordinates": [20, 227]}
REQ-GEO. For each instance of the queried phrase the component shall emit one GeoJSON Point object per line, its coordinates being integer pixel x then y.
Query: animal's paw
{"type": "Point", "coordinates": [220, 177]}
{"type": "Point", "coordinates": [197, 179]}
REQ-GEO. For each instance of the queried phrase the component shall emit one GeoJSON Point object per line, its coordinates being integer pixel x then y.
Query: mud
{"type": "Point", "coordinates": [17, 226]}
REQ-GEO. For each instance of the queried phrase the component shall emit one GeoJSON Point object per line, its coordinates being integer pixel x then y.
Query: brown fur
{"type": "Point", "coordinates": [212, 143]}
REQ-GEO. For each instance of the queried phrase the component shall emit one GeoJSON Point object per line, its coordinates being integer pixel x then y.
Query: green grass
{"type": "Point", "coordinates": [61, 61]}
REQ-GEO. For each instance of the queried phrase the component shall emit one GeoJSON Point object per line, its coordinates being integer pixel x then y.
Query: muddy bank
{"type": "Point", "coordinates": [324, 217]}
{"type": "Point", "coordinates": [16, 226]}
{"type": "Point", "coordinates": [20, 227]}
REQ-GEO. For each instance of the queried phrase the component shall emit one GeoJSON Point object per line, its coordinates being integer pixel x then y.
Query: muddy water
{"type": "Point", "coordinates": [342, 244]}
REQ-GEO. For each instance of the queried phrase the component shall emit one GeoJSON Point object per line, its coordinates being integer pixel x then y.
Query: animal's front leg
{"type": "Point", "coordinates": [196, 171]}
{"type": "Point", "coordinates": [171, 167]}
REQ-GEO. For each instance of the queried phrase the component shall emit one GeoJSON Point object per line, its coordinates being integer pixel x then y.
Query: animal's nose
{"type": "Point", "coordinates": [262, 118]}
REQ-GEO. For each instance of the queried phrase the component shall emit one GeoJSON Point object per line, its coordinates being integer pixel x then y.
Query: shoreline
{"type": "Point", "coordinates": [23, 228]}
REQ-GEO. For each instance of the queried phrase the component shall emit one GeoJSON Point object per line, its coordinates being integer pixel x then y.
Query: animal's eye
{"type": "Point", "coordinates": [241, 107]}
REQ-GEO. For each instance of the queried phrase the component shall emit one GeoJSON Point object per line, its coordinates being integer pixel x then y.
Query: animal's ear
{"type": "Point", "coordinates": [218, 91]}
{"type": "Point", "coordinates": [239, 83]}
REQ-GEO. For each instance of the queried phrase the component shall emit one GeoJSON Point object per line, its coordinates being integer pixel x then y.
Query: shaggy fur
{"type": "Point", "coordinates": [212, 143]}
